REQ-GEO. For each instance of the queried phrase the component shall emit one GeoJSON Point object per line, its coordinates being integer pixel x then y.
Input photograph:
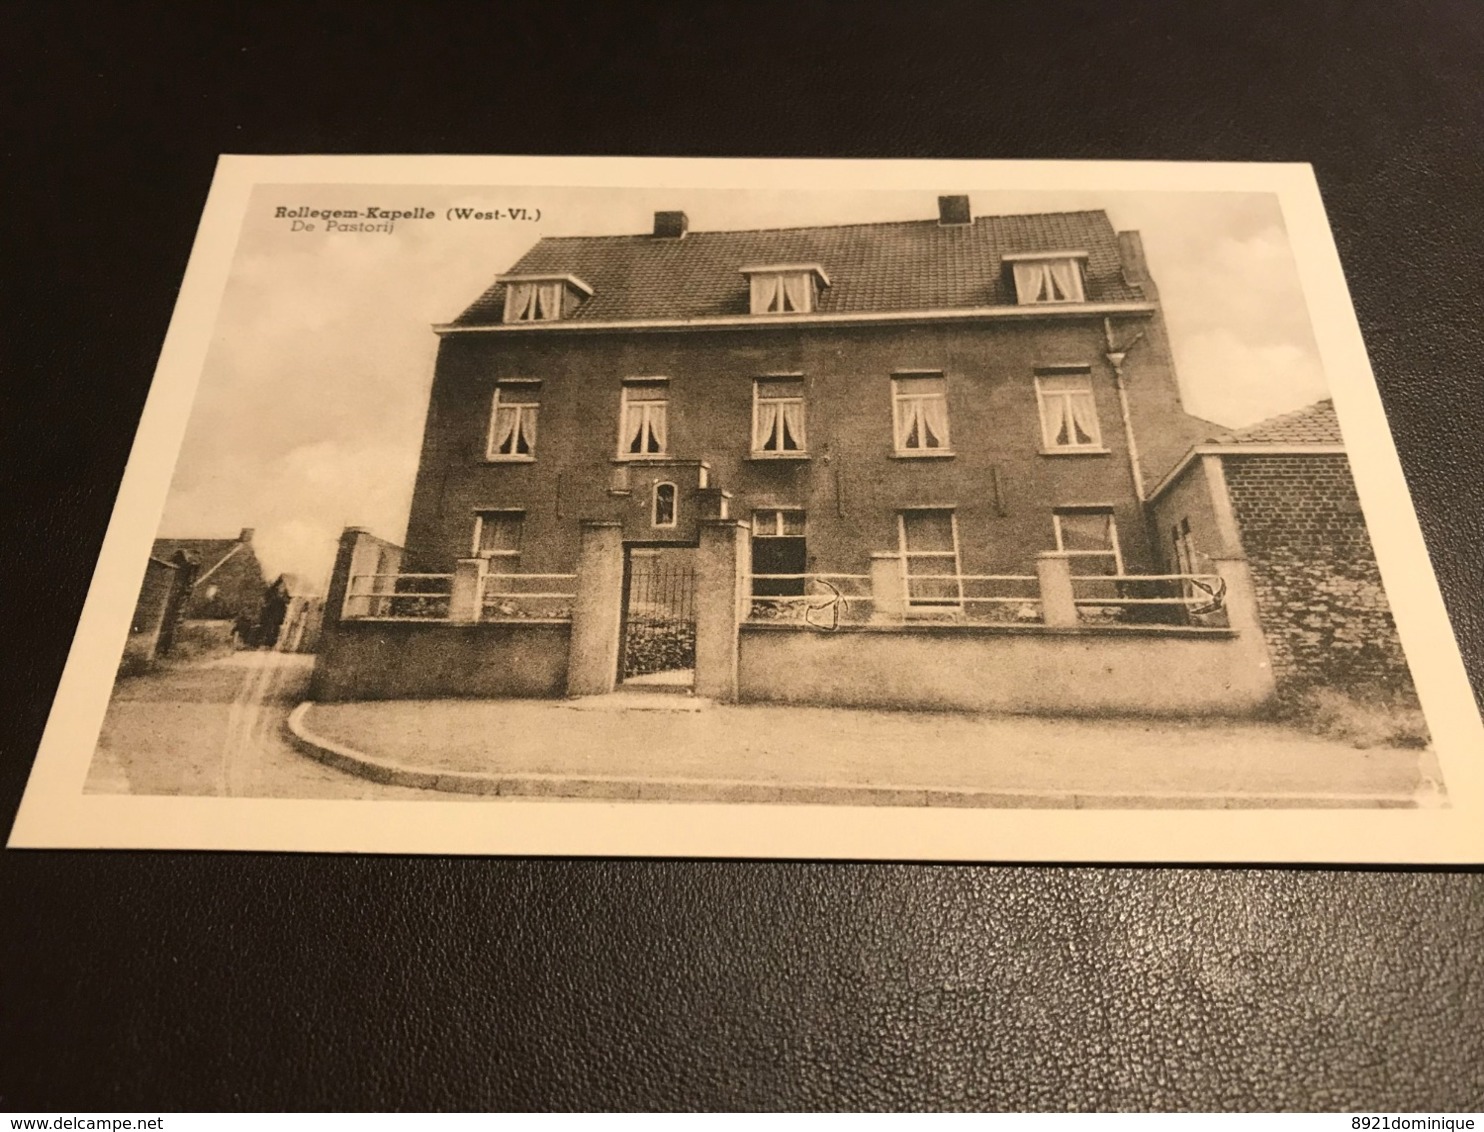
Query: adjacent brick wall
{"type": "Point", "coordinates": [1324, 613]}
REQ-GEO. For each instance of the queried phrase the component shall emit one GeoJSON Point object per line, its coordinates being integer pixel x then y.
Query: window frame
{"type": "Point", "coordinates": [654, 505]}
{"type": "Point", "coordinates": [625, 401]}
{"type": "Point", "coordinates": [1049, 446]}
{"type": "Point", "coordinates": [898, 429]}
{"type": "Point", "coordinates": [476, 549]}
{"type": "Point", "coordinates": [802, 400]}
{"type": "Point", "coordinates": [514, 385]}
{"type": "Point", "coordinates": [778, 587]}
{"type": "Point", "coordinates": [1090, 509]}
{"type": "Point", "coordinates": [1077, 259]}
{"type": "Point", "coordinates": [906, 554]}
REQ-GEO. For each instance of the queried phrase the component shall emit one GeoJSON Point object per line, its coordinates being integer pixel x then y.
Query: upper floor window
{"type": "Point", "coordinates": [785, 288]}
{"type": "Point", "coordinates": [1089, 537]}
{"type": "Point", "coordinates": [645, 430]}
{"type": "Point", "coordinates": [778, 417]}
{"type": "Point", "coordinates": [1069, 413]}
{"type": "Point", "coordinates": [497, 537]}
{"type": "Point", "coordinates": [541, 298]}
{"type": "Point", "coordinates": [1048, 277]}
{"type": "Point", "coordinates": [512, 434]}
{"type": "Point", "coordinates": [920, 414]}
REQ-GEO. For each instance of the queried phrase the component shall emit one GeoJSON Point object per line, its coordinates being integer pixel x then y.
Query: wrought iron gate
{"type": "Point", "coordinates": [659, 616]}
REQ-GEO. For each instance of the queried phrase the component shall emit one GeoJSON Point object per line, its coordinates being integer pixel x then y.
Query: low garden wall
{"type": "Point", "coordinates": [392, 660]}
{"type": "Point", "coordinates": [1101, 671]}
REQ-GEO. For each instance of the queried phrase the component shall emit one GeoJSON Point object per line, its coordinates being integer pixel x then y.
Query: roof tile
{"type": "Point", "coordinates": [1314, 424]}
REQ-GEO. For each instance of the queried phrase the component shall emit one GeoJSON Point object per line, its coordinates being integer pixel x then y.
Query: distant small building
{"type": "Point", "coordinates": [157, 613]}
{"type": "Point", "coordinates": [229, 582]}
{"type": "Point", "coordinates": [1281, 495]}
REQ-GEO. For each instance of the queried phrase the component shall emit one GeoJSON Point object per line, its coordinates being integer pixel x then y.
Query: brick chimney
{"type": "Point", "coordinates": [246, 535]}
{"type": "Point", "coordinates": [954, 210]}
{"type": "Point", "coordinates": [670, 225]}
{"type": "Point", "coordinates": [1131, 258]}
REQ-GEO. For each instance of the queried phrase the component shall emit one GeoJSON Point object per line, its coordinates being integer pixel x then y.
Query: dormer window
{"type": "Point", "coordinates": [785, 288]}
{"type": "Point", "coordinates": [542, 298]}
{"type": "Point", "coordinates": [1048, 277]}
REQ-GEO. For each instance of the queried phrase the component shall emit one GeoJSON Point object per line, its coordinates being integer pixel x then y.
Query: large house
{"type": "Point", "coordinates": [935, 463]}
{"type": "Point", "coordinates": [965, 392]}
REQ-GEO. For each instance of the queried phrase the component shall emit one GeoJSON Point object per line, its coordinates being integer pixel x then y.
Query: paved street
{"type": "Point", "coordinates": [216, 728]}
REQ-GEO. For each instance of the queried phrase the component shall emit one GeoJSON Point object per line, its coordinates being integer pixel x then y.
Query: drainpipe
{"type": "Point", "coordinates": [1115, 359]}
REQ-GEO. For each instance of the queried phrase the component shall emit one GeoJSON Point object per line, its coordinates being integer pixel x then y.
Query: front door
{"type": "Point", "coordinates": [659, 617]}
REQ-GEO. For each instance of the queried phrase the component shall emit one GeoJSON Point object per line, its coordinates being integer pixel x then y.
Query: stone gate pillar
{"type": "Point", "coordinates": [592, 657]}
{"type": "Point", "coordinates": [721, 567]}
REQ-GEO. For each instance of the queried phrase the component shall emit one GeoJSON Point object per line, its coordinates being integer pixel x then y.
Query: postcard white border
{"type": "Point", "coordinates": [55, 813]}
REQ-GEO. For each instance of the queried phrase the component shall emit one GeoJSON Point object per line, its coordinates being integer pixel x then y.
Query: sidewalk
{"type": "Point", "coordinates": [660, 747]}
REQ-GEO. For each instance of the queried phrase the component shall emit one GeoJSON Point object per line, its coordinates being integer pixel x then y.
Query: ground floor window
{"type": "Point", "coordinates": [928, 538]}
{"type": "Point", "coordinates": [1089, 538]}
{"type": "Point", "coordinates": [497, 538]}
{"type": "Point", "coordinates": [778, 547]}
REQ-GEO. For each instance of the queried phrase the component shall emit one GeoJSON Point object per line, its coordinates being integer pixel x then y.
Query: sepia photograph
{"type": "Point", "coordinates": [872, 499]}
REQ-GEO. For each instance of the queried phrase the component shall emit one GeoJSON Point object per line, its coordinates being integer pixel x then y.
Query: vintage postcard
{"type": "Point", "coordinates": [844, 509]}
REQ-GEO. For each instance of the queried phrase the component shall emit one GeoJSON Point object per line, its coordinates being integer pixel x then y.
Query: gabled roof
{"type": "Point", "coordinates": [897, 266]}
{"type": "Point", "coordinates": [1313, 424]}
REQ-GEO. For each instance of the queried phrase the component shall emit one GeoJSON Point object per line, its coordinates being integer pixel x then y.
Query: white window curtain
{"type": "Point", "coordinates": [922, 414]}
{"type": "Point", "coordinates": [532, 302]}
{"type": "Point", "coordinates": [1069, 412]}
{"type": "Point", "coordinates": [520, 300]}
{"type": "Point", "coordinates": [507, 420]}
{"type": "Point", "coordinates": [769, 413]}
{"type": "Point", "coordinates": [778, 423]}
{"type": "Point", "coordinates": [1048, 281]}
{"type": "Point", "coordinates": [798, 292]}
{"type": "Point", "coordinates": [549, 300]}
{"type": "Point", "coordinates": [935, 417]}
{"type": "Point", "coordinates": [1031, 278]}
{"type": "Point", "coordinates": [1066, 280]}
{"type": "Point", "coordinates": [644, 431]}
{"type": "Point", "coordinates": [767, 291]}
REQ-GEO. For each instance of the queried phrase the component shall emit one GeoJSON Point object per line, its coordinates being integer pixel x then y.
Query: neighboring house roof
{"type": "Point", "coordinates": [898, 266]}
{"type": "Point", "coordinates": [1312, 430]}
{"type": "Point", "coordinates": [1313, 424]}
{"type": "Point", "coordinates": [209, 553]}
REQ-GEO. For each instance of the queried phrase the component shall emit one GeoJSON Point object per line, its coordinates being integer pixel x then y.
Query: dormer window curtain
{"type": "Point", "coordinates": [1054, 278]}
{"type": "Point", "coordinates": [533, 302]}
{"type": "Point", "coordinates": [783, 294]}
{"type": "Point", "coordinates": [542, 298]}
{"type": "Point", "coordinates": [784, 288]}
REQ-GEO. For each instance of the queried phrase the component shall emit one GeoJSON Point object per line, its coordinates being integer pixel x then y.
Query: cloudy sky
{"type": "Point", "coordinates": [310, 409]}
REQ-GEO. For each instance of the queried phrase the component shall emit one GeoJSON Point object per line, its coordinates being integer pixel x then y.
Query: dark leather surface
{"type": "Point", "coordinates": [176, 981]}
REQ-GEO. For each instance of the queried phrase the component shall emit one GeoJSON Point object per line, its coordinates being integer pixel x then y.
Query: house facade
{"type": "Point", "coordinates": [904, 464]}
{"type": "Point", "coordinates": [964, 393]}
{"type": "Point", "coordinates": [229, 580]}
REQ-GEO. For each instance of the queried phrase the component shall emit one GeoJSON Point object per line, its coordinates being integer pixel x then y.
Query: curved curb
{"type": "Point", "coordinates": [614, 788]}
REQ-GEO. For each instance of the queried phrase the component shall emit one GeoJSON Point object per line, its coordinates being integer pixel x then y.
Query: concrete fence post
{"type": "Point", "coordinates": [888, 593]}
{"type": "Point", "coordinates": [467, 593]}
{"type": "Point", "coordinates": [1058, 602]}
{"type": "Point", "coordinates": [597, 611]}
{"type": "Point", "coordinates": [720, 573]}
